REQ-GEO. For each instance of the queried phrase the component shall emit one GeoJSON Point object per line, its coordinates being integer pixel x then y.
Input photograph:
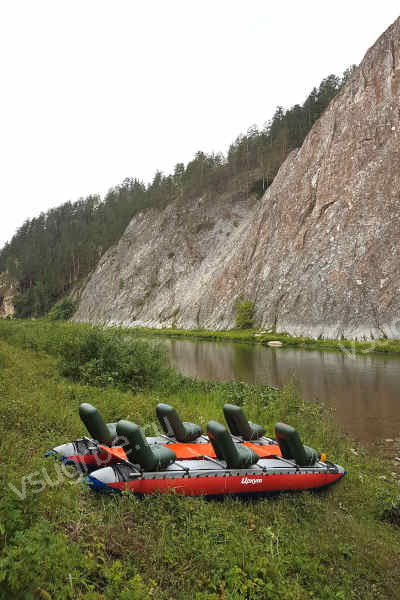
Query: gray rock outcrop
{"type": "Point", "coordinates": [7, 292]}
{"type": "Point", "coordinates": [318, 254]}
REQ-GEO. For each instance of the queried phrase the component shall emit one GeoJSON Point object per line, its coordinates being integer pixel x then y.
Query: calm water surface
{"type": "Point", "coordinates": [363, 389]}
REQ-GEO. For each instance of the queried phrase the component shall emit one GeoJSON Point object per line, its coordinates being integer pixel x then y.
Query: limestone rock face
{"type": "Point", "coordinates": [318, 254]}
{"type": "Point", "coordinates": [7, 293]}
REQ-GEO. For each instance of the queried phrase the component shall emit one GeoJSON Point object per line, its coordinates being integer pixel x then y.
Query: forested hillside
{"type": "Point", "coordinates": [50, 253]}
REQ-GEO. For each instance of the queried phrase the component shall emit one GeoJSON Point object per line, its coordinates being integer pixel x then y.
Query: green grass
{"type": "Point", "coordinates": [381, 346]}
{"type": "Point", "coordinates": [68, 543]}
{"type": "Point", "coordinates": [28, 334]}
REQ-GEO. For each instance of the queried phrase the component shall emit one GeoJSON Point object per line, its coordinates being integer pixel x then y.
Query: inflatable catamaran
{"type": "Point", "coordinates": [184, 439]}
{"type": "Point", "coordinates": [237, 469]}
{"type": "Point", "coordinates": [240, 462]}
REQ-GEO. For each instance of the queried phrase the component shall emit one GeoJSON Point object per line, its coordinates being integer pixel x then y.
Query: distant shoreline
{"type": "Point", "coordinates": [254, 336]}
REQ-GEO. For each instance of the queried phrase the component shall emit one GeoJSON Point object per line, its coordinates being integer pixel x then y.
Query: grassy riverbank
{"type": "Point", "coordinates": [381, 346]}
{"type": "Point", "coordinates": [65, 542]}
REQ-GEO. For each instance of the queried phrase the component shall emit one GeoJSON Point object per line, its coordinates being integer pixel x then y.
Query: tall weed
{"type": "Point", "coordinates": [107, 357]}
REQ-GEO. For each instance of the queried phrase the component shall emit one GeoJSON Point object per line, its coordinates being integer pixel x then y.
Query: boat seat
{"type": "Point", "coordinates": [138, 450]}
{"type": "Point", "coordinates": [236, 456]}
{"type": "Point", "coordinates": [174, 427]}
{"type": "Point", "coordinates": [93, 421]}
{"type": "Point", "coordinates": [292, 447]}
{"type": "Point", "coordinates": [239, 425]}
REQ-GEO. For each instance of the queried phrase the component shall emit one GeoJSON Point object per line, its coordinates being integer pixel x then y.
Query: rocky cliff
{"type": "Point", "coordinates": [7, 292]}
{"type": "Point", "coordinates": [318, 254]}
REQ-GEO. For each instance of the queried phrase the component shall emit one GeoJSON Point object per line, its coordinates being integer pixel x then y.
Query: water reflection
{"type": "Point", "coordinates": [363, 389]}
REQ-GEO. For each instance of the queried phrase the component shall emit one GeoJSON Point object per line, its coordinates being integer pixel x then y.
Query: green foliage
{"type": "Point", "coordinates": [93, 355]}
{"type": "Point", "coordinates": [63, 310]}
{"type": "Point", "coordinates": [23, 567]}
{"type": "Point", "coordinates": [245, 314]}
{"type": "Point", "coordinates": [23, 305]}
{"type": "Point", "coordinates": [68, 543]}
{"type": "Point", "coordinates": [108, 357]}
{"type": "Point", "coordinates": [259, 187]}
{"type": "Point", "coordinates": [41, 562]}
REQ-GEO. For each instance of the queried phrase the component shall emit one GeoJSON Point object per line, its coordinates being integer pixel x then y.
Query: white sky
{"type": "Point", "coordinates": [93, 91]}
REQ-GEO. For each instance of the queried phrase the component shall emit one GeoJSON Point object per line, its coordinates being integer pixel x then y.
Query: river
{"type": "Point", "coordinates": [363, 389]}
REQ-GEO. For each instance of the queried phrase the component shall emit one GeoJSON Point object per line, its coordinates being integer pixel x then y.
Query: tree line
{"type": "Point", "coordinates": [50, 253]}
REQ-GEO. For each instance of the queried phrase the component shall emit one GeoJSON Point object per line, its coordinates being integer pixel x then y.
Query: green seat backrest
{"type": "Point", "coordinates": [98, 430]}
{"type": "Point", "coordinates": [138, 450]}
{"type": "Point", "coordinates": [239, 425]}
{"type": "Point", "coordinates": [292, 448]}
{"type": "Point", "coordinates": [174, 427]}
{"type": "Point", "coordinates": [236, 456]}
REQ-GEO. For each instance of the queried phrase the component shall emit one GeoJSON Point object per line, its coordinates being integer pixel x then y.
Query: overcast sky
{"type": "Point", "coordinates": [93, 91]}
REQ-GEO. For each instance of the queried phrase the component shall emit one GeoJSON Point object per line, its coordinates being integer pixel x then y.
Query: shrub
{"type": "Point", "coordinates": [28, 571]}
{"type": "Point", "coordinates": [22, 305]}
{"type": "Point", "coordinates": [63, 310]}
{"type": "Point", "coordinates": [244, 314]}
{"type": "Point", "coordinates": [108, 357]}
